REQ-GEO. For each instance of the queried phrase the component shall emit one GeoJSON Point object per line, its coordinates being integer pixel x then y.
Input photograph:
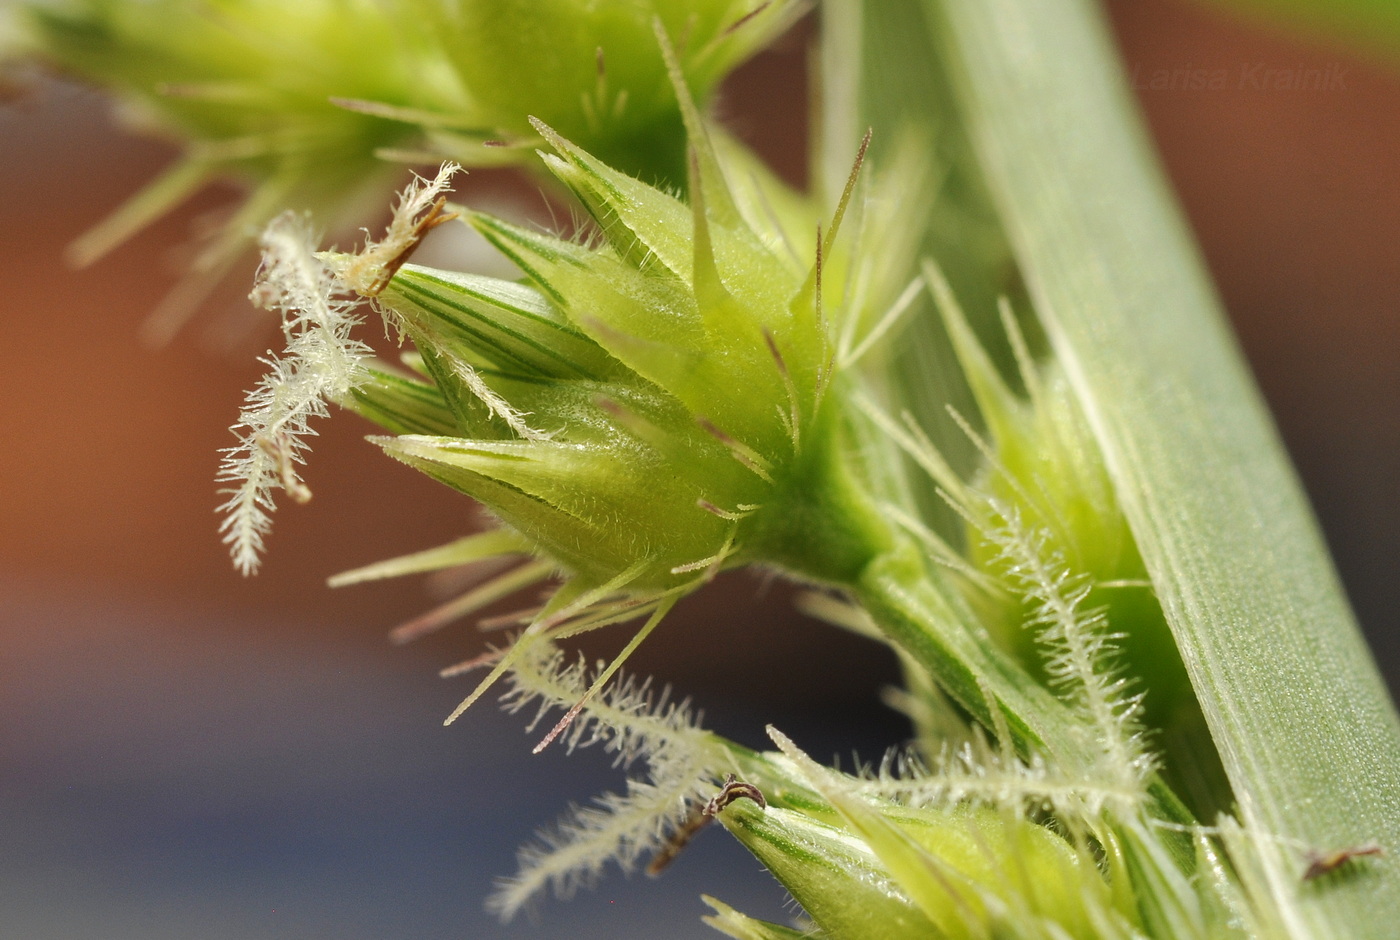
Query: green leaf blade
{"type": "Point", "coordinates": [1295, 705]}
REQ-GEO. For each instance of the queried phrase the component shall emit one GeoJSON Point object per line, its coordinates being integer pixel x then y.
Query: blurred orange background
{"type": "Point", "coordinates": [123, 605]}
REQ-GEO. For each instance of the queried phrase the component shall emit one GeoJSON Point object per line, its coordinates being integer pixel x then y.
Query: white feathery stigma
{"type": "Point", "coordinates": [637, 725]}
{"type": "Point", "coordinates": [321, 364]}
{"type": "Point", "coordinates": [1080, 645]}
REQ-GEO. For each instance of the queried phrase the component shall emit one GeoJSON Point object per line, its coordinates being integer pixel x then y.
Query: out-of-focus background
{"type": "Point", "coordinates": [186, 753]}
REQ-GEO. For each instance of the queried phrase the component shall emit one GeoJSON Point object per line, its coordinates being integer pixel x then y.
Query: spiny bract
{"type": "Point", "coordinates": [647, 408]}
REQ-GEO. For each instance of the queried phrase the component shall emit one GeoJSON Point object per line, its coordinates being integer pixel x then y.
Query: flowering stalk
{"type": "Point", "coordinates": [689, 390]}
{"type": "Point", "coordinates": [672, 398]}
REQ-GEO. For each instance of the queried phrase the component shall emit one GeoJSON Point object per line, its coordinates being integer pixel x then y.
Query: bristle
{"type": "Point", "coordinates": [393, 112]}
{"type": "Point", "coordinates": [902, 305]}
{"type": "Point", "coordinates": [603, 677]}
{"type": "Point", "coordinates": [569, 600]}
{"type": "Point", "coordinates": [747, 18]}
{"type": "Point", "coordinates": [741, 452]}
{"type": "Point", "coordinates": [846, 193]}
{"type": "Point", "coordinates": [710, 566]}
{"type": "Point", "coordinates": [994, 399]}
{"type": "Point", "coordinates": [792, 418]}
{"type": "Point", "coordinates": [516, 618]}
{"type": "Point", "coordinates": [910, 438]}
{"type": "Point", "coordinates": [710, 292]}
{"type": "Point", "coordinates": [493, 544]}
{"type": "Point", "coordinates": [504, 585]}
{"type": "Point", "coordinates": [480, 661]}
{"type": "Point", "coordinates": [153, 200]}
{"type": "Point", "coordinates": [495, 404]}
{"type": "Point", "coordinates": [728, 515]}
{"type": "Point", "coordinates": [721, 202]}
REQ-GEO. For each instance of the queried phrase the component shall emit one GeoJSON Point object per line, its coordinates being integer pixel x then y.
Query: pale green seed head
{"type": "Point", "coordinates": [315, 105]}
{"type": "Point", "coordinates": [655, 404]}
{"type": "Point", "coordinates": [595, 71]}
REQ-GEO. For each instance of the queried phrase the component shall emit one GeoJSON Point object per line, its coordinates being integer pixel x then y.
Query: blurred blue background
{"type": "Point", "coordinates": [177, 775]}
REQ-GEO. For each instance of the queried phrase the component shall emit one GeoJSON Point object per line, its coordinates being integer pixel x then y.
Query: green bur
{"type": "Point", "coordinates": [595, 72]}
{"type": "Point", "coordinates": [312, 105]}
{"type": "Point", "coordinates": [970, 868]}
{"type": "Point", "coordinates": [655, 405]}
{"type": "Point", "coordinates": [306, 97]}
{"type": "Point", "coordinates": [863, 868]}
{"type": "Point", "coordinates": [245, 87]}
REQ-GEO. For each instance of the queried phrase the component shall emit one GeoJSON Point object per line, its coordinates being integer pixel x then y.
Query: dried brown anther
{"type": "Point", "coordinates": [699, 817]}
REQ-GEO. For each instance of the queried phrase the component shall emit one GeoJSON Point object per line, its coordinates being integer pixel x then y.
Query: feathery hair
{"type": "Point", "coordinates": [1079, 643]}
{"type": "Point", "coordinates": [636, 724]}
{"type": "Point", "coordinates": [321, 364]}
